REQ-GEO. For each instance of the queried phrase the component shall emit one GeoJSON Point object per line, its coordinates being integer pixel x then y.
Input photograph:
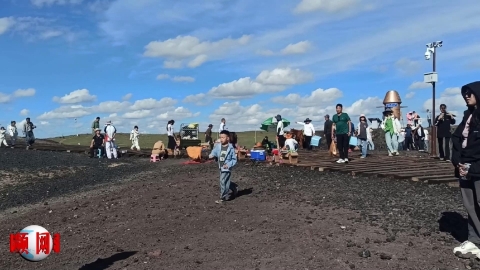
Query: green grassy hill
{"type": "Point", "coordinates": [147, 141]}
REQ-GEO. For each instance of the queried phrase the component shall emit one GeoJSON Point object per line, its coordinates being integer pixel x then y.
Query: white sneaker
{"type": "Point", "coordinates": [341, 161]}
{"type": "Point", "coordinates": [466, 250]}
{"type": "Point", "coordinates": [390, 154]}
{"type": "Point", "coordinates": [346, 160]}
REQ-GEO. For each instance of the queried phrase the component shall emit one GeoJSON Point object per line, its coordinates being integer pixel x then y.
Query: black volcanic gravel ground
{"type": "Point", "coordinates": [87, 173]}
{"type": "Point", "coordinates": [291, 218]}
{"type": "Point", "coordinates": [392, 204]}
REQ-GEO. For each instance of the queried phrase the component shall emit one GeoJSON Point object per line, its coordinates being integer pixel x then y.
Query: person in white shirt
{"type": "Point", "coordinates": [308, 132]}
{"type": "Point", "coordinates": [427, 139]}
{"type": "Point", "coordinates": [13, 132]}
{"type": "Point", "coordinates": [280, 132]}
{"type": "Point", "coordinates": [2, 137]}
{"type": "Point", "coordinates": [110, 147]}
{"type": "Point", "coordinates": [222, 125]}
{"type": "Point", "coordinates": [172, 143]}
{"type": "Point", "coordinates": [291, 145]}
{"type": "Point", "coordinates": [134, 138]}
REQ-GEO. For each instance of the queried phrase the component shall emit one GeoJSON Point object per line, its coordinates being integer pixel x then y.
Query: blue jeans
{"type": "Point", "coordinates": [364, 144]}
{"type": "Point", "coordinates": [226, 185]}
{"type": "Point", "coordinates": [371, 144]}
{"type": "Point", "coordinates": [392, 142]}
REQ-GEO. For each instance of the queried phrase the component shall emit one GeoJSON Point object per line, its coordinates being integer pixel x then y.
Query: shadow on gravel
{"type": "Point", "coordinates": [454, 224]}
{"type": "Point", "coordinates": [244, 192]}
{"type": "Point", "coordinates": [101, 264]}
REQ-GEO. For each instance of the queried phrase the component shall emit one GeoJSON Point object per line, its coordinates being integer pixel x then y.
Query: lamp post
{"type": "Point", "coordinates": [432, 77]}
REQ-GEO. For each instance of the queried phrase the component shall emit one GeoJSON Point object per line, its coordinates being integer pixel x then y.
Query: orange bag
{"type": "Point", "coordinates": [333, 149]}
{"type": "Point", "coordinates": [195, 152]}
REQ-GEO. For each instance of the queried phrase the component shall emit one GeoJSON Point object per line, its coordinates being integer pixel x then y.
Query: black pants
{"type": "Point", "coordinates": [171, 143]}
{"type": "Point", "coordinates": [93, 150]}
{"type": "Point", "coordinates": [281, 141]}
{"type": "Point", "coordinates": [209, 140]}
{"type": "Point", "coordinates": [429, 122]}
{"type": "Point", "coordinates": [444, 154]}
{"type": "Point", "coordinates": [328, 137]}
{"type": "Point", "coordinates": [408, 143]}
{"type": "Point", "coordinates": [343, 142]}
{"type": "Point", "coordinates": [307, 143]}
{"type": "Point", "coordinates": [421, 144]}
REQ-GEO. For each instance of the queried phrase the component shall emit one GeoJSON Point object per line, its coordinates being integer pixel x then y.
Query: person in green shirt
{"type": "Point", "coordinates": [392, 127]}
{"type": "Point", "coordinates": [342, 125]}
{"type": "Point", "coordinates": [95, 125]}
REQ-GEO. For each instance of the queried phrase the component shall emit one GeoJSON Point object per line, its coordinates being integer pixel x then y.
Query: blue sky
{"type": "Point", "coordinates": [143, 62]}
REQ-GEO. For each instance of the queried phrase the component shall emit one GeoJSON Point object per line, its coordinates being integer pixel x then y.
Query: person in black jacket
{"type": "Point", "coordinates": [444, 122]}
{"type": "Point", "coordinates": [466, 159]}
{"type": "Point", "coordinates": [327, 130]}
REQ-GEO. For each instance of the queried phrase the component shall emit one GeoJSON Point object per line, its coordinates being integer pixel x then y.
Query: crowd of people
{"type": "Point", "coordinates": [12, 132]}
{"type": "Point", "coordinates": [342, 135]}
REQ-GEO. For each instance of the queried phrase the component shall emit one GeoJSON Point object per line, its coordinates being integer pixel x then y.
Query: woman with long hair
{"type": "Point", "coordinates": [171, 136]}
{"type": "Point", "coordinates": [466, 159]}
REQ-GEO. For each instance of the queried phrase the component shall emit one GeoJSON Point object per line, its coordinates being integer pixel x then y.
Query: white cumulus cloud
{"type": "Point", "coordinates": [268, 81]}
{"type": "Point", "coordinates": [24, 112]}
{"type": "Point", "coordinates": [74, 97]}
{"type": "Point", "coordinates": [297, 48]}
{"type": "Point", "coordinates": [191, 49]}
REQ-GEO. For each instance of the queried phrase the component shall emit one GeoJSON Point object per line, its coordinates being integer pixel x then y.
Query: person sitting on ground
{"type": "Point", "coordinates": [97, 143]}
{"type": "Point", "coordinates": [227, 159]}
{"type": "Point", "coordinates": [266, 143]}
{"type": "Point", "coordinates": [291, 145]}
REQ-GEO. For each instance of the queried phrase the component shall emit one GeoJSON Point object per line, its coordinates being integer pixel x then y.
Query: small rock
{"type": "Point", "coordinates": [45, 203]}
{"type": "Point", "coordinates": [367, 240]}
{"type": "Point", "coordinates": [390, 239]}
{"type": "Point", "coordinates": [352, 266]}
{"type": "Point", "coordinates": [410, 244]}
{"type": "Point", "coordinates": [350, 244]}
{"type": "Point", "coordinates": [384, 256]}
{"type": "Point", "coordinates": [365, 253]}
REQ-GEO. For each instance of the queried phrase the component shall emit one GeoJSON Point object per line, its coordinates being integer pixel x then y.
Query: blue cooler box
{"type": "Point", "coordinates": [258, 155]}
{"type": "Point", "coordinates": [315, 141]}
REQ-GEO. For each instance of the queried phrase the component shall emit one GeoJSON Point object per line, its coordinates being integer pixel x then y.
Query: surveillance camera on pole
{"type": "Point", "coordinates": [428, 54]}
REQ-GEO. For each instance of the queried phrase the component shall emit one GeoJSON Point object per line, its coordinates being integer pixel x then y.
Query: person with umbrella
{"type": "Point", "coordinates": [308, 132]}
{"type": "Point", "coordinates": [280, 132]}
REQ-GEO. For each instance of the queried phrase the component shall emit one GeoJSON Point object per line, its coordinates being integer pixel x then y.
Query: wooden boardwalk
{"type": "Point", "coordinates": [412, 166]}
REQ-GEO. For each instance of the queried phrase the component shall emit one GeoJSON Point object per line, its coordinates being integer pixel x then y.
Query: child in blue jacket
{"type": "Point", "coordinates": [227, 159]}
